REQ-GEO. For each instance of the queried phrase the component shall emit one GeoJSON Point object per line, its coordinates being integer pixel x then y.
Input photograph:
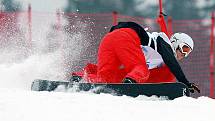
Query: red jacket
{"type": "Point", "coordinates": [120, 56]}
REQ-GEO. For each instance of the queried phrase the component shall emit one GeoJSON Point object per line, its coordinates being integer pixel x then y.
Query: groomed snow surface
{"type": "Point", "coordinates": [25, 105]}
{"type": "Point", "coordinates": [18, 103]}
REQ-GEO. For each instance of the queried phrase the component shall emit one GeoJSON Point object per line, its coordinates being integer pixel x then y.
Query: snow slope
{"type": "Point", "coordinates": [18, 103]}
{"type": "Point", "coordinates": [25, 105]}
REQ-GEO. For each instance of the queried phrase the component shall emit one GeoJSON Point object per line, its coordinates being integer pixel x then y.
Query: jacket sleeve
{"type": "Point", "coordinates": [165, 50]}
{"type": "Point", "coordinates": [129, 53]}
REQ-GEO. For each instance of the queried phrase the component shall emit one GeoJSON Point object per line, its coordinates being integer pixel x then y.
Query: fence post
{"type": "Point", "coordinates": [161, 21]}
{"type": "Point", "coordinates": [58, 20]}
{"type": "Point", "coordinates": [114, 16]}
{"type": "Point", "coordinates": [160, 6]}
{"type": "Point", "coordinates": [212, 57]}
{"type": "Point", "coordinates": [29, 24]}
{"type": "Point", "coordinates": [169, 26]}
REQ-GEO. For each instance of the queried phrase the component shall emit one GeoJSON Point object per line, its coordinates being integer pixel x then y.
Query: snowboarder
{"type": "Point", "coordinates": [129, 54]}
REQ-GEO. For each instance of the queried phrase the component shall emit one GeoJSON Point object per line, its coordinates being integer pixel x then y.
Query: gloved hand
{"type": "Point", "coordinates": [128, 80]}
{"type": "Point", "coordinates": [192, 87]}
{"type": "Point", "coordinates": [75, 78]}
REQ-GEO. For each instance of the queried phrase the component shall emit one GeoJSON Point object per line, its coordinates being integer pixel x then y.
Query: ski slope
{"type": "Point", "coordinates": [18, 103]}
{"type": "Point", "coordinates": [25, 105]}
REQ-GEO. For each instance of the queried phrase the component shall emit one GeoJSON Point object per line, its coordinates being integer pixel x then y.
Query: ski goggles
{"type": "Point", "coordinates": [184, 49]}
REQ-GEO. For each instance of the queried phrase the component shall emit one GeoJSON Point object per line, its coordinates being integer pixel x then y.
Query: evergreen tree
{"type": "Point", "coordinates": [101, 6]}
{"type": "Point", "coordinates": [10, 5]}
{"type": "Point", "coordinates": [208, 8]}
{"type": "Point", "coordinates": [182, 9]}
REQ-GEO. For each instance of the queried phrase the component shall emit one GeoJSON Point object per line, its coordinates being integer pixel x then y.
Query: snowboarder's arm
{"type": "Point", "coordinates": [169, 59]}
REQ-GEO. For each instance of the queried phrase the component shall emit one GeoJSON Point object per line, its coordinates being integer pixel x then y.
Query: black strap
{"type": "Point", "coordinates": [144, 38]}
{"type": "Point", "coordinates": [152, 45]}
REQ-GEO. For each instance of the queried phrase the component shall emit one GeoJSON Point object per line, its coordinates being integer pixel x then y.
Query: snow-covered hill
{"type": "Point", "coordinates": [25, 105]}
{"type": "Point", "coordinates": [18, 103]}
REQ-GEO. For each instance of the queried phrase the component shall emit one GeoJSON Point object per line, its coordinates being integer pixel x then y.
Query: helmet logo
{"type": "Point", "coordinates": [175, 39]}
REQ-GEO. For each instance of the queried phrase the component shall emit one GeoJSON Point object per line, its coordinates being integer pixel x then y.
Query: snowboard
{"type": "Point", "coordinates": [169, 90]}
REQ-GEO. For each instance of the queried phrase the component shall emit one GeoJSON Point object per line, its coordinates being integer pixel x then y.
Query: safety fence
{"type": "Point", "coordinates": [79, 35]}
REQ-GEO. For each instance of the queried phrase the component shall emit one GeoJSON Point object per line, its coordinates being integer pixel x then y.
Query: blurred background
{"type": "Point", "coordinates": [68, 32]}
{"type": "Point", "coordinates": [178, 9]}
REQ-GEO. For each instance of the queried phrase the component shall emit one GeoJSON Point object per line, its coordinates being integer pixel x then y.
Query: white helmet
{"type": "Point", "coordinates": [181, 38]}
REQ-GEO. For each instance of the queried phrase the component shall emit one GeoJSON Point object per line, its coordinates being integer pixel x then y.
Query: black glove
{"type": "Point", "coordinates": [192, 87]}
{"type": "Point", "coordinates": [128, 80]}
{"type": "Point", "coordinates": [75, 78]}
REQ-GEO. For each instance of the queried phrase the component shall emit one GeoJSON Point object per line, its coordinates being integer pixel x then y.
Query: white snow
{"type": "Point", "coordinates": [18, 103]}
{"type": "Point", "coordinates": [25, 105]}
{"type": "Point", "coordinates": [20, 75]}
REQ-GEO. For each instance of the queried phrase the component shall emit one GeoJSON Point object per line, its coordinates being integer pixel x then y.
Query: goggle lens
{"type": "Point", "coordinates": [185, 49]}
